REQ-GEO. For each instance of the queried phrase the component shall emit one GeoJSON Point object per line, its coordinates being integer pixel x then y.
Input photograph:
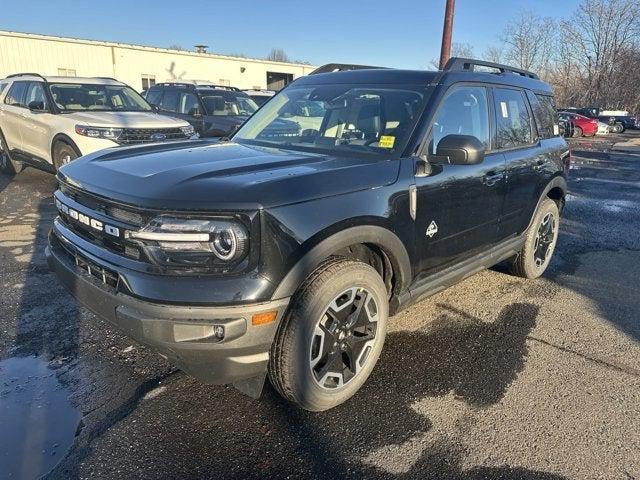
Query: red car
{"type": "Point", "coordinates": [583, 126]}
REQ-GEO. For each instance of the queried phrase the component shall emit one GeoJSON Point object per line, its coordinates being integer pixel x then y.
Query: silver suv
{"type": "Point", "coordinates": [48, 121]}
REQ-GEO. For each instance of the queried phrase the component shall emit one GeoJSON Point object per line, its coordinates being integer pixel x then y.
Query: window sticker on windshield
{"type": "Point", "coordinates": [386, 141]}
{"type": "Point", "coordinates": [503, 107]}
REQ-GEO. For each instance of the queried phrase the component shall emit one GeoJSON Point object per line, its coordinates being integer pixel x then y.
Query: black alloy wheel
{"type": "Point", "coordinates": [545, 238]}
{"type": "Point", "coordinates": [343, 338]}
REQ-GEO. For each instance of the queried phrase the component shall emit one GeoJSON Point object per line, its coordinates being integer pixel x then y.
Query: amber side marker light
{"type": "Point", "coordinates": [264, 317]}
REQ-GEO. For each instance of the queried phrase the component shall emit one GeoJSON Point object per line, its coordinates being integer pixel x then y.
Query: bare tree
{"type": "Point", "coordinates": [458, 49]}
{"type": "Point", "coordinates": [175, 47]}
{"type": "Point", "coordinates": [529, 41]}
{"type": "Point", "coordinates": [493, 54]}
{"type": "Point", "coordinates": [278, 55]}
{"type": "Point", "coordinates": [599, 34]}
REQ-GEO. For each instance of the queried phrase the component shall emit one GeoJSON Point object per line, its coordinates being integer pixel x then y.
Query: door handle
{"type": "Point", "coordinates": [492, 177]}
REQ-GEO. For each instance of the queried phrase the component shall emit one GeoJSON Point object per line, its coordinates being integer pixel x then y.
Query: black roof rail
{"type": "Point", "coordinates": [469, 64]}
{"type": "Point", "coordinates": [340, 67]}
{"type": "Point", "coordinates": [26, 75]}
{"type": "Point", "coordinates": [201, 85]}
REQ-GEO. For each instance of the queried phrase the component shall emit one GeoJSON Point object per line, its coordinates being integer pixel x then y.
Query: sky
{"type": "Point", "coordinates": [401, 34]}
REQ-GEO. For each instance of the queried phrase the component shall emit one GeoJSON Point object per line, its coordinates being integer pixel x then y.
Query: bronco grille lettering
{"type": "Point", "coordinates": [87, 220]}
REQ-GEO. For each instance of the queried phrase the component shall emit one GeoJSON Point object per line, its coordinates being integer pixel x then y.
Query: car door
{"type": "Point", "coordinates": [37, 123]}
{"type": "Point", "coordinates": [11, 119]}
{"type": "Point", "coordinates": [458, 206]}
{"type": "Point", "coordinates": [516, 137]}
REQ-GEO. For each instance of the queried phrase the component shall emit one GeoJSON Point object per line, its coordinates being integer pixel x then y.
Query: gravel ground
{"type": "Point", "coordinates": [495, 378]}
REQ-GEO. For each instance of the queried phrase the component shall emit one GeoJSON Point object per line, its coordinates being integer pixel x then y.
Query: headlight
{"type": "Point", "coordinates": [99, 132]}
{"type": "Point", "coordinates": [188, 131]}
{"type": "Point", "coordinates": [193, 242]}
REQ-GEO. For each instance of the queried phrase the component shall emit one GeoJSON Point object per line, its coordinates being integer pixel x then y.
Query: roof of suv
{"type": "Point", "coordinates": [55, 79]}
{"type": "Point", "coordinates": [457, 70]}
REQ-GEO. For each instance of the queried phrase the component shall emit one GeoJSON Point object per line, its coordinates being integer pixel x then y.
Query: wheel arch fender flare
{"type": "Point", "coordinates": [558, 182]}
{"type": "Point", "coordinates": [61, 137]}
{"type": "Point", "coordinates": [382, 237]}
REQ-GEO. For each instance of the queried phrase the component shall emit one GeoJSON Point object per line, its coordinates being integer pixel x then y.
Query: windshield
{"type": "Point", "coordinates": [79, 97]}
{"type": "Point", "coordinates": [221, 103]}
{"type": "Point", "coordinates": [376, 119]}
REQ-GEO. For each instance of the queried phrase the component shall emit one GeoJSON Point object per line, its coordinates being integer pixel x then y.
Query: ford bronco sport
{"type": "Point", "coordinates": [46, 122]}
{"type": "Point", "coordinates": [284, 250]}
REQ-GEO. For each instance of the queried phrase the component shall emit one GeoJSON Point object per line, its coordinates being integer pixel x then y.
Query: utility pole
{"type": "Point", "coordinates": [445, 50]}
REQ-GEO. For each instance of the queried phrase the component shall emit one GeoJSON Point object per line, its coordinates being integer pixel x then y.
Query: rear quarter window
{"type": "Point", "coordinates": [545, 114]}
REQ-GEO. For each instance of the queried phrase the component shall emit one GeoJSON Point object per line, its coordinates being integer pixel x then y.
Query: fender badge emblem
{"type": "Point", "coordinates": [432, 229]}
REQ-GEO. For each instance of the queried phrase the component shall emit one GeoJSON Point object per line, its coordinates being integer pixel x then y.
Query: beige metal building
{"type": "Point", "coordinates": [136, 65]}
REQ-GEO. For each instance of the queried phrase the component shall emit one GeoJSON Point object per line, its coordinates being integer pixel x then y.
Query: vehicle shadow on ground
{"type": "Point", "coordinates": [475, 360]}
{"type": "Point", "coordinates": [227, 435]}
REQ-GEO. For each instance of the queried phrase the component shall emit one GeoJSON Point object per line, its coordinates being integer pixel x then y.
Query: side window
{"type": "Point", "coordinates": [2, 87]}
{"type": "Point", "coordinates": [546, 116]}
{"type": "Point", "coordinates": [153, 96]}
{"type": "Point", "coordinates": [513, 123]}
{"type": "Point", "coordinates": [35, 93]}
{"type": "Point", "coordinates": [15, 95]}
{"type": "Point", "coordinates": [188, 104]}
{"type": "Point", "coordinates": [464, 111]}
{"type": "Point", "coordinates": [169, 101]}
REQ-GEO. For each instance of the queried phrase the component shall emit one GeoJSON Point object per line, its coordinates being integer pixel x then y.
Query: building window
{"type": "Point", "coordinates": [148, 81]}
{"type": "Point", "coordinates": [224, 83]}
{"type": "Point", "coordinates": [67, 72]}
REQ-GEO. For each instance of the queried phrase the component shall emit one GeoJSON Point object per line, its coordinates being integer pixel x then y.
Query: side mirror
{"type": "Point", "coordinates": [36, 106]}
{"type": "Point", "coordinates": [154, 107]}
{"type": "Point", "coordinates": [460, 150]}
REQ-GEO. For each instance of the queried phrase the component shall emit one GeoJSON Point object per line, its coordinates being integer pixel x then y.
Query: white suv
{"type": "Point", "coordinates": [48, 121]}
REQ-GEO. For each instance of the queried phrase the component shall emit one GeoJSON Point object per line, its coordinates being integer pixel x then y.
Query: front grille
{"type": "Point", "coordinates": [134, 136]}
{"type": "Point", "coordinates": [103, 206]}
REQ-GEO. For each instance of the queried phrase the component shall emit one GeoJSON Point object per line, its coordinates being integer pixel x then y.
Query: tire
{"type": "Point", "coordinates": [7, 164]}
{"type": "Point", "coordinates": [540, 243]}
{"type": "Point", "coordinates": [63, 153]}
{"type": "Point", "coordinates": [577, 132]}
{"type": "Point", "coordinates": [302, 364]}
{"type": "Point", "coordinates": [619, 127]}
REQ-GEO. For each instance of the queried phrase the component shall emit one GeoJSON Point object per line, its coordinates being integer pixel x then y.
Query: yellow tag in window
{"type": "Point", "coordinates": [386, 141]}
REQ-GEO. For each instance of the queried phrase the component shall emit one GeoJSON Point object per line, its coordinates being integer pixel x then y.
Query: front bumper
{"type": "Point", "coordinates": [184, 334]}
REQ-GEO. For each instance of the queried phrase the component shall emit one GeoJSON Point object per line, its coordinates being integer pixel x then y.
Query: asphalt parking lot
{"type": "Point", "coordinates": [495, 378]}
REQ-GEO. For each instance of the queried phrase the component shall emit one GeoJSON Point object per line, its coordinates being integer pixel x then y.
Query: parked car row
{"type": "Point", "coordinates": [617, 120]}
{"type": "Point", "coordinates": [46, 122]}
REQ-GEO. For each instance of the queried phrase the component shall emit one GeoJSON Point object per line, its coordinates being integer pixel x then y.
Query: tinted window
{"type": "Point", "coordinates": [169, 100]}
{"type": "Point", "coordinates": [544, 111]}
{"type": "Point", "coordinates": [188, 104]}
{"type": "Point", "coordinates": [513, 124]}
{"type": "Point", "coordinates": [2, 87]}
{"type": "Point", "coordinates": [463, 112]}
{"type": "Point", "coordinates": [15, 95]}
{"type": "Point", "coordinates": [225, 103]}
{"type": "Point", "coordinates": [35, 93]}
{"type": "Point", "coordinates": [153, 96]}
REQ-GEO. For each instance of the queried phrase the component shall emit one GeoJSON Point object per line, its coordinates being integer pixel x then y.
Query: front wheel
{"type": "Point", "coordinates": [332, 336]}
{"type": "Point", "coordinates": [63, 153]}
{"type": "Point", "coordinates": [540, 242]}
{"type": "Point", "coordinates": [577, 132]}
{"type": "Point", "coordinates": [7, 164]}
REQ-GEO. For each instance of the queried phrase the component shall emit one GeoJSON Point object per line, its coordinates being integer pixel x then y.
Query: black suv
{"type": "Point", "coordinates": [213, 110]}
{"type": "Point", "coordinates": [284, 252]}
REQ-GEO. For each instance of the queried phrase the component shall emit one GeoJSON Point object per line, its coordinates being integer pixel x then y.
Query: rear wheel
{"type": "Point", "coordinates": [7, 165]}
{"type": "Point", "coordinates": [619, 127]}
{"type": "Point", "coordinates": [63, 153]}
{"type": "Point", "coordinates": [332, 336]}
{"type": "Point", "coordinates": [540, 242]}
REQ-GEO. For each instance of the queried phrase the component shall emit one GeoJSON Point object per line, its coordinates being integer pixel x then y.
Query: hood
{"type": "Point", "coordinates": [125, 119]}
{"type": "Point", "coordinates": [201, 175]}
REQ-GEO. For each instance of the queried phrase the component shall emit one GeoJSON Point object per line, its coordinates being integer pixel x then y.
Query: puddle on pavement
{"type": "Point", "coordinates": [37, 421]}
